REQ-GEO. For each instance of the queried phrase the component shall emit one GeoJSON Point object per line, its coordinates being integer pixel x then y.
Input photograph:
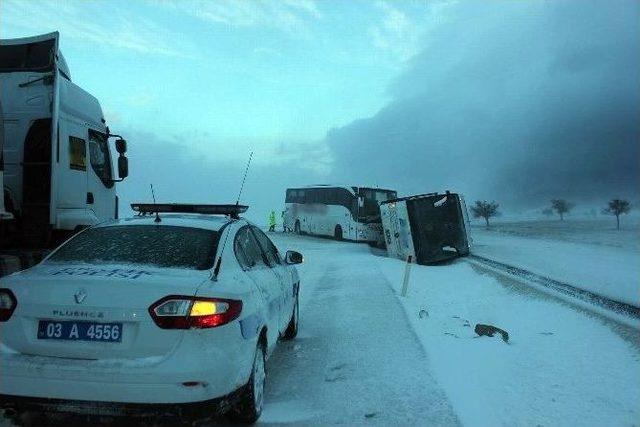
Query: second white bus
{"type": "Point", "coordinates": [338, 211]}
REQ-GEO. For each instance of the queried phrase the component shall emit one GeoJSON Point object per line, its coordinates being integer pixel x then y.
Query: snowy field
{"type": "Point", "coordinates": [588, 254]}
{"type": "Point", "coordinates": [367, 356]}
{"type": "Point", "coordinates": [564, 365]}
{"type": "Point", "coordinates": [600, 231]}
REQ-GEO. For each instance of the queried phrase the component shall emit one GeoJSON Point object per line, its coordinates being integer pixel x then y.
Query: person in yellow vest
{"type": "Point", "coordinates": [272, 221]}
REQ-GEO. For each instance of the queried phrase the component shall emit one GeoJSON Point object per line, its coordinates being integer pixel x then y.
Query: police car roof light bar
{"type": "Point", "coordinates": [233, 211]}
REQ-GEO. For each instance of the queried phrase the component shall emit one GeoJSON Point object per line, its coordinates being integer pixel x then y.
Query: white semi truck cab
{"type": "Point", "coordinates": [58, 174]}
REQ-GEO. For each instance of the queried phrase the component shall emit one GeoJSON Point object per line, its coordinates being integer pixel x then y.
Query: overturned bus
{"type": "Point", "coordinates": [428, 227]}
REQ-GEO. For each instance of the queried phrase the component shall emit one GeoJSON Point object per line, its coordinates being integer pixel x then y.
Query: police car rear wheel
{"type": "Point", "coordinates": [249, 407]}
{"type": "Point", "coordinates": [337, 233]}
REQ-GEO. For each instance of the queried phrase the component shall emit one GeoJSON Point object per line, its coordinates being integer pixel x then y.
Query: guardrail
{"type": "Point", "coordinates": [564, 288]}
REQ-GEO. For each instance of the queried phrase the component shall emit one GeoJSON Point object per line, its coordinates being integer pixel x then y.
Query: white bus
{"type": "Point", "coordinates": [339, 211]}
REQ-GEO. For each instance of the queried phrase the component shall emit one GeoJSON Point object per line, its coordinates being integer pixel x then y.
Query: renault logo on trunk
{"type": "Point", "coordinates": [80, 296]}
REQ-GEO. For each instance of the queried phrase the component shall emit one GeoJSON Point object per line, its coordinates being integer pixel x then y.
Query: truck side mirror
{"type": "Point", "coordinates": [121, 146]}
{"type": "Point", "coordinates": [123, 167]}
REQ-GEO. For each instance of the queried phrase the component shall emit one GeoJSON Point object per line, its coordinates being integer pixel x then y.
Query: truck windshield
{"type": "Point", "coordinates": [156, 245]}
{"type": "Point", "coordinates": [27, 57]}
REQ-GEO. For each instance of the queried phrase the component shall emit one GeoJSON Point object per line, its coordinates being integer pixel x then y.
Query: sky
{"type": "Point", "coordinates": [517, 102]}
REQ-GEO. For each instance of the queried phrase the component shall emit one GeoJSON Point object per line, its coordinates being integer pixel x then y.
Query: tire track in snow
{"type": "Point", "coordinates": [357, 361]}
{"type": "Point", "coordinates": [561, 287]}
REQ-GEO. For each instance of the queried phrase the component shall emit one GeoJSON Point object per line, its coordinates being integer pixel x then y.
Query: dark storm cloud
{"type": "Point", "coordinates": [514, 101]}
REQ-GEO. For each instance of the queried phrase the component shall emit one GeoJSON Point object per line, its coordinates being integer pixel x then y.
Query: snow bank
{"type": "Point", "coordinates": [605, 270]}
{"type": "Point", "coordinates": [562, 366]}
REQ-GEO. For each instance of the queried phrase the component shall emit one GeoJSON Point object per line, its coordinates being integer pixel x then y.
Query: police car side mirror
{"type": "Point", "coordinates": [123, 167]}
{"type": "Point", "coordinates": [293, 257]}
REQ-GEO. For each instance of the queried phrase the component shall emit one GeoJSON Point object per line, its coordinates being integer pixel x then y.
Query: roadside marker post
{"type": "Point", "coordinates": [407, 273]}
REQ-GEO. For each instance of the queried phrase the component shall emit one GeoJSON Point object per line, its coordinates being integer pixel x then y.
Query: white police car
{"type": "Point", "coordinates": [169, 314]}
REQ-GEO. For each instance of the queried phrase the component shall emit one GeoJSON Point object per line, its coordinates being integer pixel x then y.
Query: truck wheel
{"type": "Point", "coordinates": [296, 227]}
{"type": "Point", "coordinates": [337, 233]}
{"type": "Point", "coordinates": [292, 329]}
{"type": "Point", "coordinates": [249, 406]}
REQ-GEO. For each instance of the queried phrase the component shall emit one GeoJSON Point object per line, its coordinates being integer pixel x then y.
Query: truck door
{"type": "Point", "coordinates": [29, 76]}
{"type": "Point", "coordinates": [72, 164]}
{"type": "Point", "coordinates": [3, 213]}
{"type": "Point", "coordinates": [100, 192]}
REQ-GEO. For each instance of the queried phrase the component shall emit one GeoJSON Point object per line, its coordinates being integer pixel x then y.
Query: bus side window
{"type": "Point", "coordinates": [335, 197]}
{"type": "Point", "coordinates": [310, 196]}
{"type": "Point", "coordinates": [345, 198]}
{"type": "Point", "coordinates": [325, 196]}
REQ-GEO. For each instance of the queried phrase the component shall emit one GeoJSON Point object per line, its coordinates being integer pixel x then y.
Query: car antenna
{"type": "Point", "coordinates": [154, 202]}
{"type": "Point", "coordinates": [216, 269]}
{"type": "Point", "coordinates": [246, 170]}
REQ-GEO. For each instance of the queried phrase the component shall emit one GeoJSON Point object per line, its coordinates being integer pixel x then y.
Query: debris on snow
{"type": "Point", "coordinates": [490, 330]}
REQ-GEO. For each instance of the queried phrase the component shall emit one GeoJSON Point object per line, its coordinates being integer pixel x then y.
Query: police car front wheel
{"type": "Point", "coordinates": [292, 329]}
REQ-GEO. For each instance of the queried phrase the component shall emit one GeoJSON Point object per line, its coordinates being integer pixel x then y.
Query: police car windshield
{"type": "Point", "coordinates": [156, 245]}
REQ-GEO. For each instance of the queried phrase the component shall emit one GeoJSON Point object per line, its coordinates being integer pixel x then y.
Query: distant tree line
{"type": "Point", "coordinates": [615, 207]}
{"type": "Point", "coordinates": [487, 210]}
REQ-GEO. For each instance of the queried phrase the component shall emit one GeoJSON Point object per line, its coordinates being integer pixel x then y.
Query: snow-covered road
{"type": "Point", "coordinates": [357, 359]}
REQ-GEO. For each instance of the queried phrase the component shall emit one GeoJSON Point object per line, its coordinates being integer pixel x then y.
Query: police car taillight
{"type": "Point", "coordinates": [8, 304]}
{"type": "Point", "coordinates": [182, 312]}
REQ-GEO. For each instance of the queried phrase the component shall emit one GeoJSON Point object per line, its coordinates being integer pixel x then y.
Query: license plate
{"type": "Point", "coordinates": [79, 331]}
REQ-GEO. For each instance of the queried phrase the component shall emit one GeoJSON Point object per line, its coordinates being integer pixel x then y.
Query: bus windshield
{"type": "Point", "coordinates": [370, 200]}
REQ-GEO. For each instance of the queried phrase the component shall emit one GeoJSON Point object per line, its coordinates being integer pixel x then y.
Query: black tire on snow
{"type": "Point", "coordinates": [337, 233]}
{"type": "Point", "coordinates": [246, 410]}
{"type": "Point", "coordinates": [292, 329]}
{"type": "Point", "coordinates": [296, 227]}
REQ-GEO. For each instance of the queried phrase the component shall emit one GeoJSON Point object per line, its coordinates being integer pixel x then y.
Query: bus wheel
{"type": "Point", "coordinates": [337, 234]}
{"type": "Point", "coordinates": [296, 227]}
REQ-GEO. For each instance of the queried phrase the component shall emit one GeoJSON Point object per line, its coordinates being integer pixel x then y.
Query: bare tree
{"type": "Point", "coordinates": [561, 206]}
{"type": "Point", "coordinates": [617, 207]}
{"type": "Point", "coordinates": [485, 210]}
